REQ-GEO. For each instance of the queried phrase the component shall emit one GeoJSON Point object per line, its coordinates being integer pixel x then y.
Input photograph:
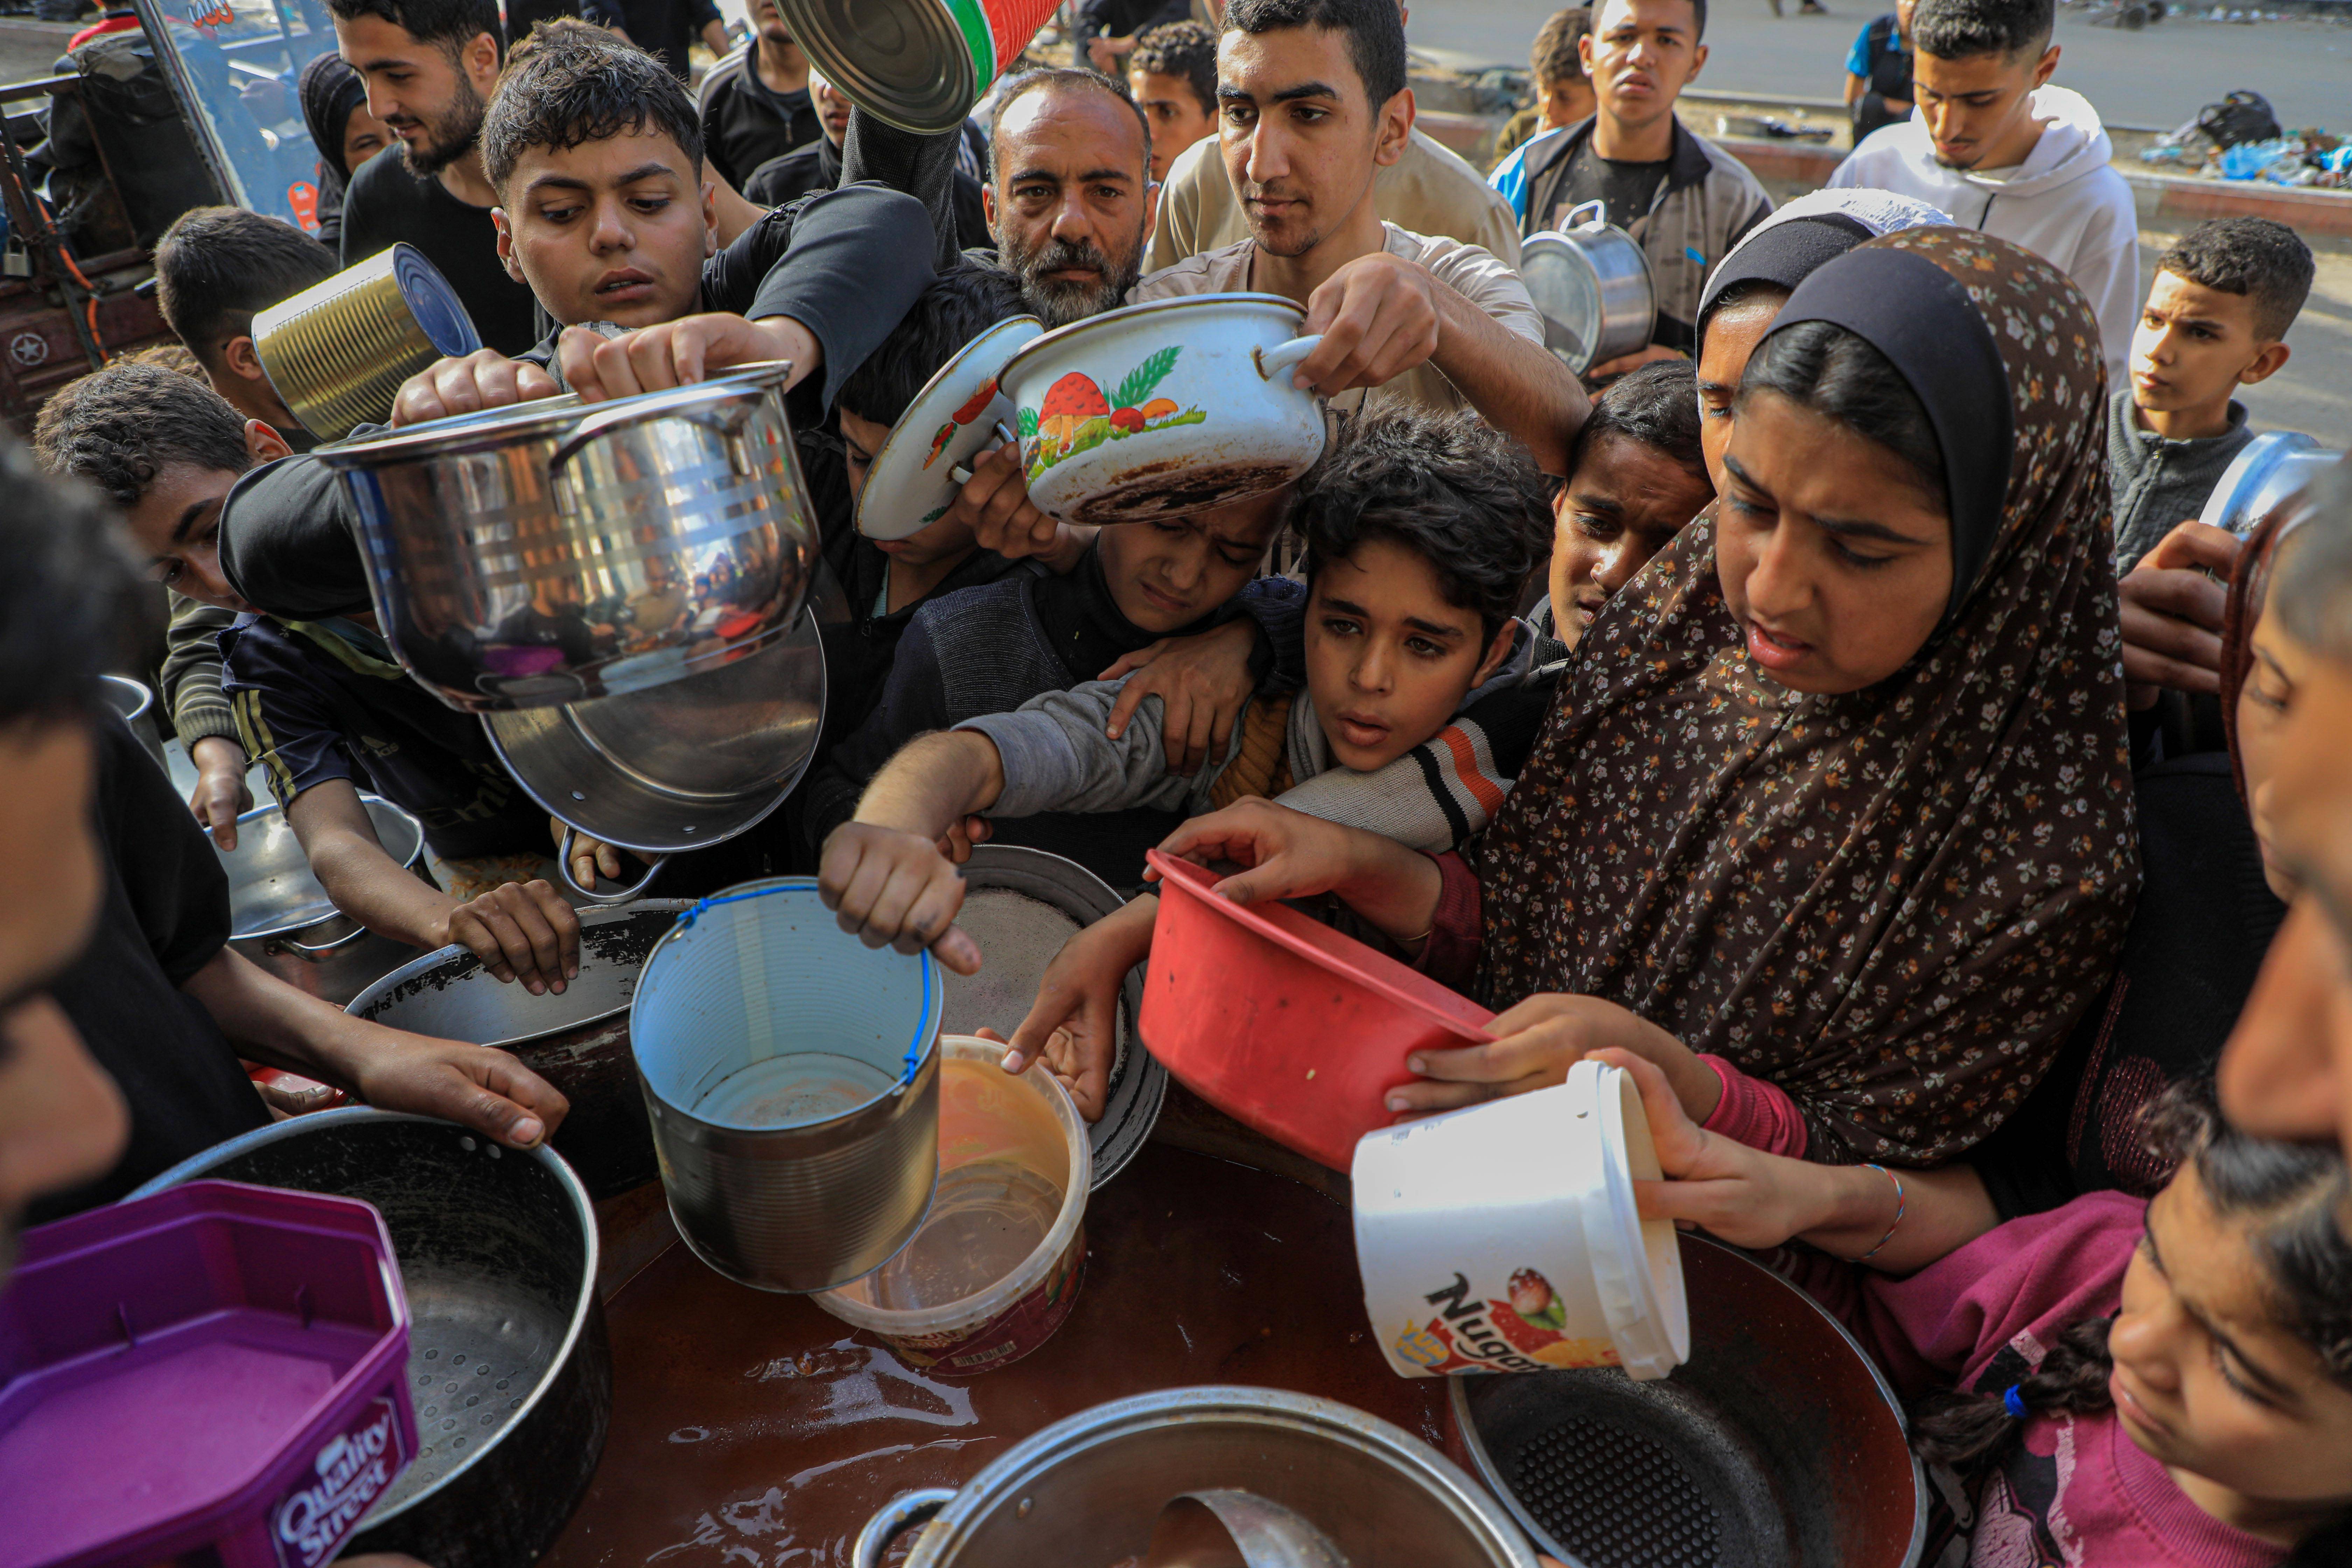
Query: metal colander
{"type": "Point", "coordinates": [1777, 1444]}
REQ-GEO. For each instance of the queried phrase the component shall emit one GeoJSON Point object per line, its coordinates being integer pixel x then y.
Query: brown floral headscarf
{"type": "Point", "coordinates": [1893, 904]}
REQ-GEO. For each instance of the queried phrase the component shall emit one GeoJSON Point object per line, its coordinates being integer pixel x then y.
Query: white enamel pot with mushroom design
{"type": "Point", "coordinates": [1165, 408]}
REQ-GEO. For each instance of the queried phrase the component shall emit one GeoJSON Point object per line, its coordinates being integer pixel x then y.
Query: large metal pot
{"type": "Point", "coordinates": [507, 1361]}
{"type": "Point", "coordinates": [1778, 1445]}
{"type": "Point", "coordinates": [1165, 408]}
{"type": "Point", "coordinates": [792, 1077]}
{"type": "Point", "coordinates": [280, 917]}
{"type": "Point", "coordinates": [683, 767]}
{"type": "Point", "coordinates": [1089, 1488]}
{"type": "Point", "coordinates": [136, 703]}
{"type": "Point", "coordinates": [1590, 282]}
{"type": "Point", "coordinates": [578, 1040]}
{"type": "Point", "coordinates": [555, 551]}
{"type": "Point", "coordinates": [2273, 465]}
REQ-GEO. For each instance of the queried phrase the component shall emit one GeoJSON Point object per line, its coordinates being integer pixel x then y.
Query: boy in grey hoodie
{"type": "Point", "coordinates": [1994, 145]}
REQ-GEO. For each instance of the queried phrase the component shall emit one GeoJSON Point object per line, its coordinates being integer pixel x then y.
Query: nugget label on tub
{"type": "Point", "coordinates": [350, 1470]}
{"type": "Point", "coordinates": [1521, 1333]}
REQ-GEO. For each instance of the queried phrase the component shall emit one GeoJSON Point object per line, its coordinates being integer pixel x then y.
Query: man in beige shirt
{"type": "Point", "coordinates": [1428, 190]}
{"type": "Point", "coordinates": [1311, 112]}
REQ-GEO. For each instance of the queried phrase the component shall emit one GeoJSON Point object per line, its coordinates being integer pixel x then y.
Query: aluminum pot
{"type": "Point", "coordinates": [791, 1075]}
{"type": "Point", "coordinates": [555, 551]}
{"type": "Point", "coordinates": [1778, 1445]}
{"type": "Point", "coordinates": [684, 766]}
{"type": "Point", "coordinates": [280, 917]}
{"type": "Point", "coordinates": [2273, 467]}
{"type": "Point", "coordinates": [136, 702]}
{"type": "Point", "coordinates": [507, 1361]}
{"type": "Point", "coordinates": [1165, 408]}
{"type": "Point", "coordinates": [1088, 1490]}
{"type": "Point", "coordinates": [1590, 282]}
{"type": "Point", "coordinates": [578, 1040]}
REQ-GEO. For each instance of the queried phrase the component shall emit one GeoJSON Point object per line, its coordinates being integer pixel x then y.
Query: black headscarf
{"type": "Point", "coordinates": [1787, 248]}
{"type": "Point", "coordinates": [289, 543]}
{"type": "Point", "coordinates": [330, 89]}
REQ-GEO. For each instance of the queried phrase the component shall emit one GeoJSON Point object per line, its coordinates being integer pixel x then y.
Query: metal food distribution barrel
{"type": "Point", "coordinates": [920, 65]}
{"type": "Point", "coordinates": [338, 352]}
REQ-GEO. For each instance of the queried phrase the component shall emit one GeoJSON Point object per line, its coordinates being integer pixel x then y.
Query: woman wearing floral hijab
{"type": "Point", "coordinates": [1832, 819]}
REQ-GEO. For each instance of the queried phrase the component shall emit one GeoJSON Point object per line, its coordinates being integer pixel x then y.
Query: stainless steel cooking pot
{"type": "Point", "coordinates": [792, 1077]}
{"type": "Point", "coordinates": [687, 765]}
{"type": "Point", "coordinates": [1778, 1445]}
{"type": "Point", "coordinates": [136, 703]}
{"type": "Point", "coordinates": [577, 1039]}
{"type": "Point", "coordinates": [555, 551]}
{"type": "Point", "coordinates": [1088, 1490]}
{"type": "Point", "coordinates": [280, 917]}
{"type": "Point", "coordinates": [1590, 281]}
{"type": "Point", "coordinates": [508, 1362]}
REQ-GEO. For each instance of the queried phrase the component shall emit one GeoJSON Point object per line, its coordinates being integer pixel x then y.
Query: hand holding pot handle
{"type": "Point", "coordinates": [1282, 356]}
{"type": "Point", "coordinates": [563, 865]}
{"type": "Point", "coordinates": [900, 1513]}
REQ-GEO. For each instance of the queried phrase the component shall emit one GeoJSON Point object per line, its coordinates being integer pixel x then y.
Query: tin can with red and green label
{"type": "Point", "coordinates": [920, 65]}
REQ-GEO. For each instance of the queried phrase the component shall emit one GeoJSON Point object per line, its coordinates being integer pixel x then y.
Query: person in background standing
{"type": "Point", "coordinates": [757, 103]}
{"type": "Point", "coordinates": [818, 166]}
{"type": "Point", "coordinates": [1878, 71]}
{"type": "Point", "coordinates": [1556, 70]}
{"type": "Point", "coordinates": [2003, 151]}
{"type": "Point", "coordinates": [1685, 200]}
{"type": "Point", "coordinates": [1174, 75]}
{"type": "Point", "coordinates": [1428, 190]}
{"type": "Point", "coordinates": [430, 66]}
{"type": "Point", "coordinates": [334, 106]}
{"type": "Point", "coordinates": [1107, 29]}
{"type": "Point", "coordinates": [665, 30]}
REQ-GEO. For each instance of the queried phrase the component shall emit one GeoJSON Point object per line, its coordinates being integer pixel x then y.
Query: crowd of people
{"type": "Point", "coordinates": [1831, 711]}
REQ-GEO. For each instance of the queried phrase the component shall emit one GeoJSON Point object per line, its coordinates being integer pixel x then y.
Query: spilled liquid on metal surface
{"type": "Point", "coordinates": [749, 1430]}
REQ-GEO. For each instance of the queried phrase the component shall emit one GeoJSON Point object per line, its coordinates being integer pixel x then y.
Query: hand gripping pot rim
{"type": "Point", "coordinates": [1505, 1237]}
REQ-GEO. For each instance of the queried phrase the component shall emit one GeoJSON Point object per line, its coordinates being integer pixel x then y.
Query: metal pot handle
{"type": "Point", "coordinates": [564, 868]}
{"type": "Point", "coordinates": [901, 1512]}
{"type": "Point", "coordinates": [314, 954]}
{"type": "Point", "coordinates": [1282, 356]}
{"type": "Point", "coordinates": [596, 426]}
{"type": "Point", "coordinates": [1588, 214]}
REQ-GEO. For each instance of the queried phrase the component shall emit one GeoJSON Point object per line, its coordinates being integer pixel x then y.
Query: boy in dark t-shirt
{"type": "Point", "coordinates": [597, 154]}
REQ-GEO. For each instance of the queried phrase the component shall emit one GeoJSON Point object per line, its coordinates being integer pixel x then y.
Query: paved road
{"type": "Point", "coordinates": [2158, 77]}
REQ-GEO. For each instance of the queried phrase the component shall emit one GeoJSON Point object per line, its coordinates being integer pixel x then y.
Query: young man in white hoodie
{"type": "Point", "coordinates": [1996, 146]}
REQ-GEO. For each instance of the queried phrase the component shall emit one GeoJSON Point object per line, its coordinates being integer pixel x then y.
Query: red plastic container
{"type": "Point", "coordinates": [1281, 1022]}
{"type": "Point", "coordinates": [218, 1366]}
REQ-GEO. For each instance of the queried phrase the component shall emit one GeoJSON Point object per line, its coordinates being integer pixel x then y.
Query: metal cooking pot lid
{"type": "Point", "coordinates": [271, 891]}
{"type": "Point", "coordinates": [1567, 292]}
{"type": "Point", "coordinates": [1021, 905]}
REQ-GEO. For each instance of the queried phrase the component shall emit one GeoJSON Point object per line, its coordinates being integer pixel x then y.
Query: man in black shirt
{"type": "Point", "coordinates": [757, 103]}
{"type": "Point", "coordinates": [114, 918]}
{"type": "Point", "coordinates": [817, 167]}
{"type": "Point", "coordinates": [665, 29]}
{"type": "Point", "coordinates": [430, 67]}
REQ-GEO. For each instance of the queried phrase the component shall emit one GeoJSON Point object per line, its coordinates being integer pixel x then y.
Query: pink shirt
{"type": "Point", "coordinates": [2076, 1490]}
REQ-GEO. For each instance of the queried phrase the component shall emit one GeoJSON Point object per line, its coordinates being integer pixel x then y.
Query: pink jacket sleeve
{"type": "Point", "coordinates": [1756, 1112]}
{"type": "Point", "coordinates": [1450, 956]}
{"type": "Point", "coordinates": [2016, 1287]}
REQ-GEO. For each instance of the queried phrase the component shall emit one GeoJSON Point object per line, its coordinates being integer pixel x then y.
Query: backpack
{"type": "Point", "coordinates": [2241, 117]}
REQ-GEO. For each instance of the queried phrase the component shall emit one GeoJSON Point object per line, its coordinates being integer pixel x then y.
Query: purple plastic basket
{"type": "Point", "coordinates": [216, 1366]}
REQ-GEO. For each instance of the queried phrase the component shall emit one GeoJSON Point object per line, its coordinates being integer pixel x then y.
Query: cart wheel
{"type": "Point", "coordinates": [2134, 18]}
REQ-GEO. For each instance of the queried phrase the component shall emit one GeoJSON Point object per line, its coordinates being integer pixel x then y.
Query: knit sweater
{"type": "Point", "coordinates": [1058, 755]}
{"type": "Point", "coordinates": [191, 672]}
{"type": "Point", "coordinates": [2160, 483]}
